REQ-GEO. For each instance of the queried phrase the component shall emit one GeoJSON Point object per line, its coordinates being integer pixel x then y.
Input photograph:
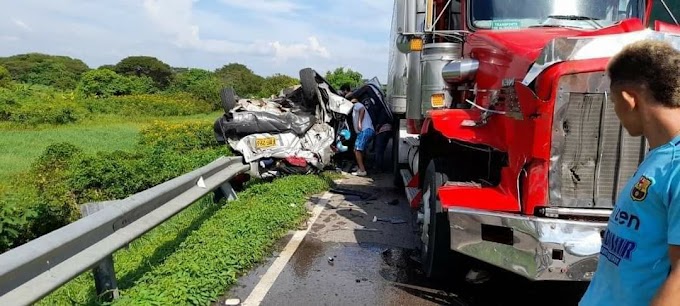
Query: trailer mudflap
{"type": "Point", "coordinates": [536, 248]}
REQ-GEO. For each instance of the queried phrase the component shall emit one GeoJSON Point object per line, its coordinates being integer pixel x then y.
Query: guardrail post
{"type": "Point", "coordinates": [228, 191]}
{"type": "Point", "coordinates": [105, 280]}
{"type": "Point", "coordinates": [104, 273]}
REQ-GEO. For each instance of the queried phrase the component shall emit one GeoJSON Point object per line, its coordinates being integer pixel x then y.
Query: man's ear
{"type": "Point", "coordinates": [631, 98]}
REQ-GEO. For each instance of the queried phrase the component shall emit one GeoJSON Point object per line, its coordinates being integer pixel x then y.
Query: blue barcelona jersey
{"type": "Point", "coordinates": [634, 261]}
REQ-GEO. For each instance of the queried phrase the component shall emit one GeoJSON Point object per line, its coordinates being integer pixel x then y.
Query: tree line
{"type": "Point", "coordinates": [148, 75]}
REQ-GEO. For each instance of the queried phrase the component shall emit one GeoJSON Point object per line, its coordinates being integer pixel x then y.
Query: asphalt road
{"type": "Point", "coordinates": [348, 259]}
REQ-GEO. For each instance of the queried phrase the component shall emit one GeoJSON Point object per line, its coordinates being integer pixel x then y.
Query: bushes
{"type": "Point", "coordinates": [33, 105]}
{"type": "Point", "coordinates": [148, 105]}
{"type": "Point", "coordinates": [64, 177]}
{"type": "Point", "coordinates": [57, 205]}
{"type": "Point", "coordinates": [200, 83]}
{"type": "Point", "coordinates": [5, 77]}
{"type": "Point", "coordinates": [179, 136]}
{"type": "Point", "coordinates": [106, 83]}
{"type": "Point", "coordinates": [38, 104]}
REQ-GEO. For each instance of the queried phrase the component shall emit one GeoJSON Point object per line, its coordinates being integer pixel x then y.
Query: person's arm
{"type": "Point", "coordinates": [361, 116]}
{"type": "Point", "coordinates": [669, 294]}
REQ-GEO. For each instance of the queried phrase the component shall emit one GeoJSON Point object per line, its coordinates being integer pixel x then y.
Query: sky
{"type": "Point", "coordinates": [268, 36]}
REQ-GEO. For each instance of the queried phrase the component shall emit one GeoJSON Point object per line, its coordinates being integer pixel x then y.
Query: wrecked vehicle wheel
{"type": "Point", "coordinates": [309, 84]}
{"type": "Point", "coordinates": [228, 98]}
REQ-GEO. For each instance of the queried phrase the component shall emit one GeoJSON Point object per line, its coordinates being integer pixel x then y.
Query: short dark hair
{"type": "Point", "coordinates": [652, 64]}
{"type": "Point", "coordinates": [345, 87]}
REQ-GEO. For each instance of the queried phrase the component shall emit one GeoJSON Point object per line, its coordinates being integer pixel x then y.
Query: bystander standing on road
{"type": "Point", "coordinates": [363, 126]}
{"type": "Point", "coordinates": [640, 253]}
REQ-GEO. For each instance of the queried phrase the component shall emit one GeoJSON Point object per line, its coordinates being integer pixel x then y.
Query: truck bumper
{"type": "Point", "coordinates": [536, 248]}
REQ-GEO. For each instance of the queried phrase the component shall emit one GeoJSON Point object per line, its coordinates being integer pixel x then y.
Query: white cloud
{"type": "Point", "coordinates": [22, 24]}
{"type": "Point", "coordinates": [322, 34]}
{"type": "Point", "coordinates": [286, 52]}
{"type": "Point", "coordinates": [8, 38]}
{"type": "Point", "coordinates": [267, 6]}
{"type": "Point", "coordinates": [175, 17]}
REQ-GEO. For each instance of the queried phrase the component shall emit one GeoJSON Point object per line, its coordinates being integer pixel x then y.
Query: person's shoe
{"type": "Point", "coordinates": [359, 173]}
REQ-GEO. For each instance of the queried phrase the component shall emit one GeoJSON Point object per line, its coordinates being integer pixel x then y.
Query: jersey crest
{"type": "Point", "coordinates": [641, 189]}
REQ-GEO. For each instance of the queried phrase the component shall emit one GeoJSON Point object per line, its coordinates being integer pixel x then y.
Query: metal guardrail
{"type": "Point", "coordinates": [35, 269]}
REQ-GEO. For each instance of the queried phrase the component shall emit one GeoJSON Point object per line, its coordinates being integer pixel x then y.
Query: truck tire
{"type": "Point", "coordinates": [436, 234]}
{"type": "Point", "coordinates": [228, 98]}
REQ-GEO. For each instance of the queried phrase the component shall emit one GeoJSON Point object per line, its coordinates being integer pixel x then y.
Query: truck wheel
{"type": "Point", "coordinates": [435, 236]}
{"type": "Point", "coordinates": [228, 97]}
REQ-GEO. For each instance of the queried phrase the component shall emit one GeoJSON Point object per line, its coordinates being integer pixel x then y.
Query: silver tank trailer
{"type": "Point", "coordinates": [434, 57]}
{"type": "Point", "coordinates": [416, 21]}
{"type": "Point", "coordinates": [397, 72]}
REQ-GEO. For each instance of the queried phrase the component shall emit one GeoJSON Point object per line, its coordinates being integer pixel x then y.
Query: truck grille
{"type": "Point", "coordinates": [593, 156]}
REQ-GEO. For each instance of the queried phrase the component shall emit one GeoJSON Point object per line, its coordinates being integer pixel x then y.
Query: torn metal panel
{"type": "Point", "coordinates": [590, 47]}
{"type": "Point", "coordinates": [314, 146]}
{"type": "Point", "coordinates": [549, 249]}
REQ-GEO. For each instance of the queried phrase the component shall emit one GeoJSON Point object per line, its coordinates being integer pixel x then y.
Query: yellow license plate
{"type": "Point", "coordinates": [267, 142]}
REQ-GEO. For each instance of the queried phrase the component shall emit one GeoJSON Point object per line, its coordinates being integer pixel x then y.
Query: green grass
{"type": "Point", "coordinates": [197, 255]}
{"type": "Point", "coordinates": [20, 145]}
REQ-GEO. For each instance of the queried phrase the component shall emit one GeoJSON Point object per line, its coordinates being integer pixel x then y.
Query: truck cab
{"type": "Point", "coordinates": [510, 151]}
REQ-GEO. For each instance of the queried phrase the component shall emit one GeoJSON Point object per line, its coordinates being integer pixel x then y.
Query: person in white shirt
{"type": "Point", "coordinates": [363, 126]}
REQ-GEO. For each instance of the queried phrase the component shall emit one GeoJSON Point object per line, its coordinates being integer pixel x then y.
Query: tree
{"type": "Point", "coordinates": [244, 81]}
{"type": "Point", "coordinates": [274, 84]}
{"type": "Point", "coordinates": [5, 77]}
{"type": "Point", "coordinates": [36, 68]}
{"type": "Point", "coordinates": [340, 77]}
{"type": "Point", "coordinates": [160, 72]}
{"type": "Point", "coordinates": [200, 83]}
{"type": "Point", "coordinates": [109, 67]}
{"type": "Point", "coordinates": [106, 83]}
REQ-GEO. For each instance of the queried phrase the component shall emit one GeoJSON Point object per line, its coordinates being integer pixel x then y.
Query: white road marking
{"type": "Point", "coordinates": [266, 282]}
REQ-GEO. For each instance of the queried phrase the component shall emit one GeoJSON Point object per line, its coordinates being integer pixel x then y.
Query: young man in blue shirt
{"type": "Point", "coordinates": [639, 258]}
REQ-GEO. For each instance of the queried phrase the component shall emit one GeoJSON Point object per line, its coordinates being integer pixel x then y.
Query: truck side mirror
{"type": "Point", "coordinates": [403, 44]}
{"type": "Point", "coordinates": [404, 25]}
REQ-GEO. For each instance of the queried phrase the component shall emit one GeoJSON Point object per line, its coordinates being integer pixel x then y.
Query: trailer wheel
{"type": "Point", "coordinates": [435, 236]}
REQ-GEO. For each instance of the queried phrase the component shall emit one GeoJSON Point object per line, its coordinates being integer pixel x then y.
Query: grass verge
{"type": "Point", "coordinates": [194, 257]}
{"type": "Point", "coordinates": [21, 145]}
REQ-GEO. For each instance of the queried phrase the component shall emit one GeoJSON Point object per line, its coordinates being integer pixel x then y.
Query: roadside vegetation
{"type": "Point", "coordinates": [71, 135]}
{"type": "Point", "coordinates": [194, 257]}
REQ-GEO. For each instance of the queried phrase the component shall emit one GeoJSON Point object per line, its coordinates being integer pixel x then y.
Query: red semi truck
{"type": "Point", "coordinates": [508, 146]}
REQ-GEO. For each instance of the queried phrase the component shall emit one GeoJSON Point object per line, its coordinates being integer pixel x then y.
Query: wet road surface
{"type": "Point", "coordinates": [348, 259]}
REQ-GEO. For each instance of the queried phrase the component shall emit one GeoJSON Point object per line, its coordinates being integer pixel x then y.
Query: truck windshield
{"type": "Point", "coordinates": [517, 14]}
{"type": "Point", "coordinates": [667, 11]}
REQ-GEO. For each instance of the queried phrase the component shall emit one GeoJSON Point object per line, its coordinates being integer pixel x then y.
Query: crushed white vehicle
{"type": "Point", "coordinates": [297, 132]}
